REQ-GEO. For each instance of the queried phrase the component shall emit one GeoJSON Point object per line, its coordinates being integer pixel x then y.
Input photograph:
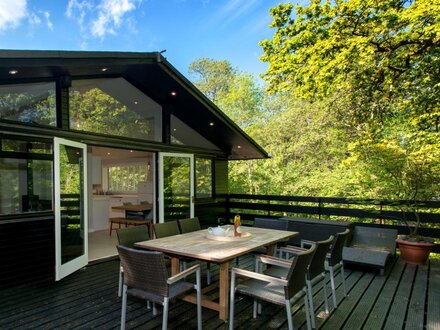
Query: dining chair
{"type": "Point", "coordinates": [127, 237]}
{"type": "Point", "coordinates": [315, 272]}
{"type": "Point", "coordinates": [189, 225]}
{"type": "Point", "coordinates": [334, 262]}
{"type": "Point", "coordinates": [146, 277]}
{"type": "Point", "coordinates": [280, 291]}
{"type": "Point", "coordinates": [268, 223]}
{"type": "Point", "coordinates": [166, 229]}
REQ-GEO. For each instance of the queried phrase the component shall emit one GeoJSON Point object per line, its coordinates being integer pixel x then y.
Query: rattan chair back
{"type": "Point", "coordinates": [166, 229]}
{"type": "Point", "coordinates": [337, 247]}
{"type": "Point", "coordinates": [317, 264]}
{"type": "Point", "coordinates": [189, 225]}
{"type": "Point", "coordinates": [130, 235]}
{"type": "Point", "coordinates": [144, 270]}
{"type": "Point", "coordinates": [296, 276]}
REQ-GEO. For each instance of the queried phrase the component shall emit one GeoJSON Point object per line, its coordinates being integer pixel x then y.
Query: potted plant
{"type": "Point", "coordinates": [414, 248]}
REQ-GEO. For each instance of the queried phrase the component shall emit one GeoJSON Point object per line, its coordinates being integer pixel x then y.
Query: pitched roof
{"type": "Point", "coordinates": [152, 74]}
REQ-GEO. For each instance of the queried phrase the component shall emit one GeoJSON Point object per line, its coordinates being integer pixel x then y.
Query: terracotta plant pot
{"type": "Point", "coordinates": [414, 253]}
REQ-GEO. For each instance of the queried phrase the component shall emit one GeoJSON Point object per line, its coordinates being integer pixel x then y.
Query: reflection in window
{"type": "Point", "coordinates": [114, 107]}
{"type": "Point", "coordinates": [29, 103]}
{"type": "Point", "coordinates": [203, 178]}
{"type": "Point", "coordinates": [25, 185]}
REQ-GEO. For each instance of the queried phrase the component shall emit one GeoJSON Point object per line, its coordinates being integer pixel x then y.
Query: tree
{"type": "Point", "coordinates": [369, 59]}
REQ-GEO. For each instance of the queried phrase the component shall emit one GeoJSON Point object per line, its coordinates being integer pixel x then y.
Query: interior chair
{"type": "Point", "coordinates": [189, 225]}
{"type": "Point", "coordinates": [146, 278]}
{"type": "Point", "coordinates": [334, 262]}
{"type": "Point", "coordinates": [281, 291]}
{"type": "Point", "coordinates": [127, 237]}
{"type": "Point", "coordinates": [315, 271]}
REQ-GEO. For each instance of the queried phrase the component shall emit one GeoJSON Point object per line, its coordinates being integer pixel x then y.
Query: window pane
{"type": "Point", "coordinates": [25, 185]}
{"type": "Point", "coordinates": [29, 103]}
{"type": "Point", "coordinates": [125, 178]}
{"type": "Point", "coordinates": [114, 107]}
{"type": "Point", "coordinates": [26, 146]}
{"type": "Point", "coordinates": [203, 178]}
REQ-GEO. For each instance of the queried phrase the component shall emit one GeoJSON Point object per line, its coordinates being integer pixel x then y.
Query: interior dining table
{"type": "Point", "coordinates": [144, 208]}
{"type": "Point", "coordinates": [200, 245]}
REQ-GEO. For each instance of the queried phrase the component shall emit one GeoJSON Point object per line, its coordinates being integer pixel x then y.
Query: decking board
{"type": "Point", "coordinates": [433, 299]}
{"type": "Point", "coordinates": [88, 299]}
{"type": "Point", "coordinates": [396, 317]}
{"type": "Point", "coordinates": [416, 308]}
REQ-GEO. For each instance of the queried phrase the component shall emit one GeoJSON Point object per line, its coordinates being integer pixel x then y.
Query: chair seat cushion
{"type": "Point", "coordinates": [266, 291]}
{"type": "Point", "coordinates": [175, 290]}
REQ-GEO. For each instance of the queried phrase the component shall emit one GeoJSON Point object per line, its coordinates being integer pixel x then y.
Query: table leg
{"type": "Point", "coordinates": [175, 266]}
{"type": "Point", "coordinates": [224, 291]}
{"type": "Point", "coordinates": [271, 249]}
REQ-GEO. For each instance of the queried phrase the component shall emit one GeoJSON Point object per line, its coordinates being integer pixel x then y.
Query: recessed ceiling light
{"type": "Point", "coordinates": [174, 129]}
{"type": "Point", "coordinates": [108, 153]}
{"type": "Point", "coordinates": [13, 71]}
{"type": "Point", "coordinates": [104, 69]}
{"type": "Point", "coordinates": [211, 124]}
{"type": "Point", "coordinates": [131, 150]}
{"type": "Point", "coordinates": [239, 147]}
{"type": "Point", "coordinates": [135, 102]}
{"type": "Point", "coordinates": [173, 93]}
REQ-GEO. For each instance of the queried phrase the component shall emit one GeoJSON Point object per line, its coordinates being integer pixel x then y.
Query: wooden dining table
{"type": "Point", "coordinates": [200, 245]}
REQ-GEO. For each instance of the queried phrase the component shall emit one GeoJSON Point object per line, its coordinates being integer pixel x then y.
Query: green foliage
{"type": "Point", "coordinates": [370, 59]}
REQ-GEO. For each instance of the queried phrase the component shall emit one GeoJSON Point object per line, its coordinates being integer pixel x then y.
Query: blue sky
{"type": "Point", "coordinates": [187, 29]}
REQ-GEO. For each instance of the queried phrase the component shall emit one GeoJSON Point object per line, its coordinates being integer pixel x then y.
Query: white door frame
{"type": "Point", "coordinates": [62, 270]}
{"type": "Point", "coordinates": [161, 182]}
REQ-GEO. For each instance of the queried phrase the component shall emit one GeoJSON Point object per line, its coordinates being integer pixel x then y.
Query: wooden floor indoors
{"type": "Point", "coordinates": [408, 297]}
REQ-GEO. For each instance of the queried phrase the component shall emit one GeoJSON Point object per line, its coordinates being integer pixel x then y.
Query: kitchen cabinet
{"type": "Point", "coordinates": [100, 214]}
{"type": "Point", "coordinates": [96, 170]}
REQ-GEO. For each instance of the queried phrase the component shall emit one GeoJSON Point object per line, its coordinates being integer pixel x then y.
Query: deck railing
{"type": "Point", "coordinates": [368, 212]}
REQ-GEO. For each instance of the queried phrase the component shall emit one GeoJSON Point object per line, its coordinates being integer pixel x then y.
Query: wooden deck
{"type": "Point", "coordinates": [408, 297]}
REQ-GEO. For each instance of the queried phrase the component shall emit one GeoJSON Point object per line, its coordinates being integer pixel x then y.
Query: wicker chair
{"type": "Point", "coordinates": [284, 292]}
{"type": "Point", "coordinates": [315, 272]}
{"type": "Point", "coordinates": [334, 262]}
{"type": "Point", "coordinates": [127, 237]}
{"type": "Point", "coordinates": [146, 278]}
{"type": "Point", "coordinates": [189, 225]}
{"type": "Point", "coordinates": [269, 223]}
{"type": "Point", "coordinates": [166, 229]}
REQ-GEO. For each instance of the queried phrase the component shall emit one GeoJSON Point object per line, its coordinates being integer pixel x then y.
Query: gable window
{"type": "Point", "coordinates": [113, 106]}
{"type": "Point", "coordinates": [33, 103]}
{"type": "Point", "coordinates": [203, 178]}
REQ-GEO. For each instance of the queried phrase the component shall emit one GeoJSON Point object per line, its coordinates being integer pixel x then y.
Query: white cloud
{"type": "Point", "coordinates": [100, 17]}
{"type": "Point", "coordinates": [48, 21]}
{"type": "Point", "coordinates": [34, 20]}
{"type": "Point", "coordinates": [12, 12]}
{"type": "Point", "coordinates": [110, 16]}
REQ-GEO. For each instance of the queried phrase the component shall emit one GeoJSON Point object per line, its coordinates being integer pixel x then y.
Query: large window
{"type": "Point", "coordinates": [203, 178]}
{"type": "Point", "coordinates": [26, 173]}
{"type": "Point", "coordinates": [29, 103]}
{"type": "Point", "coordinates": [114, 107]}
{"type": "Point", "coordinates": [125, 178]}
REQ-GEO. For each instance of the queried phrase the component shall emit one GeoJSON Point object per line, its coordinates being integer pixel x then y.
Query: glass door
{"type": "Point", "coordinates": [176, 186]}
{"type": "Point", "coordinates": [71, 246]}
